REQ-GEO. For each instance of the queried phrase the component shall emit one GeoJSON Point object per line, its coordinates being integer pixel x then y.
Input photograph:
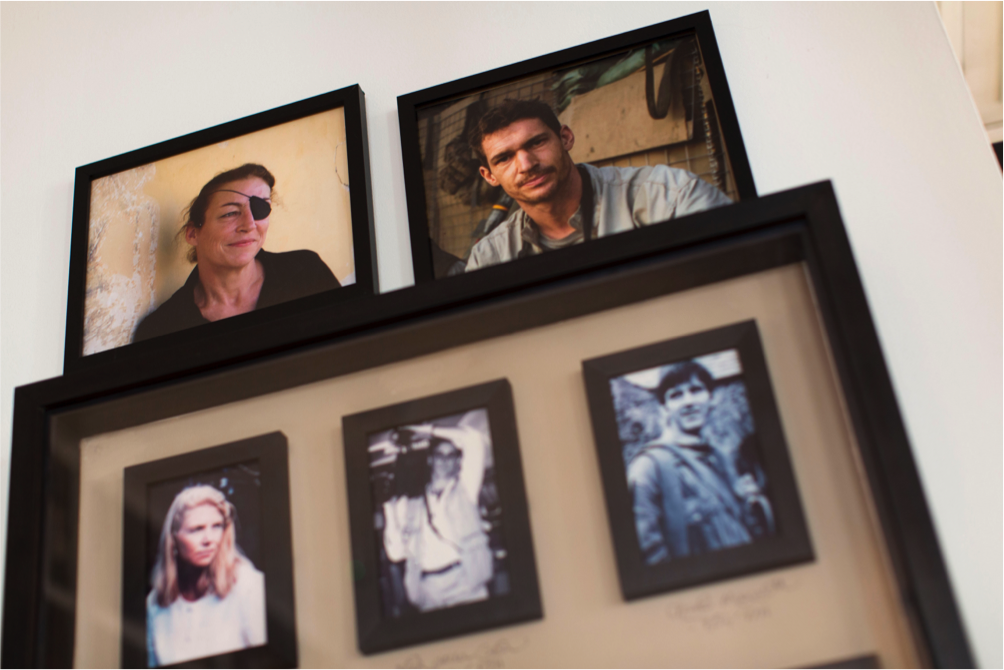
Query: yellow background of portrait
{"type": "Point", "coordinates": [136, 260]}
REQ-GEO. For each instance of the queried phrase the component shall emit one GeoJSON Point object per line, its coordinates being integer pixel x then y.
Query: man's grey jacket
{"type": "Point", "coordinates": [623, 199]}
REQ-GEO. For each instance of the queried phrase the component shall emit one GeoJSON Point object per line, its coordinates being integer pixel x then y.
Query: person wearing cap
{"type": "Point", "coordinates": [688, 498]}
{"type": "Point", "coordinates": [523, 148]}
{"type": "Point", "coordinates": [225, 226]}
{"type": "Point", "coordinates": [439, 533]}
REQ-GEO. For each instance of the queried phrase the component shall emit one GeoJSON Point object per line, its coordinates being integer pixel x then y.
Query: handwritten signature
{"type": "Point", "coordinates": [713, 611]}
{"type": "Point", "coordinates": [485, 655]}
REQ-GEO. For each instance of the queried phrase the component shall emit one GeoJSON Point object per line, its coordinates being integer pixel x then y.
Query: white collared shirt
{"type": "Point", "coordinates": [440, 544]}
{"type": "Point", "coordinates": [187, 630]}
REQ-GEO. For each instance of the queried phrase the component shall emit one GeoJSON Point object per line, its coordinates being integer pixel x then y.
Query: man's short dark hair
{"type": "Point", "coordinates": [506, 113]}
{"type": "Point", "coordinates": [681, 373]}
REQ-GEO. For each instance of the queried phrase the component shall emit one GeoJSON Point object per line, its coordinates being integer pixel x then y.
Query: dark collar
{"type": "Point", "coordinates": [193, 276]}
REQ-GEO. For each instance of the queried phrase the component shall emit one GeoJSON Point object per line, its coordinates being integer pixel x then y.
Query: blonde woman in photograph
{"type": "Point", "coordinates": [207, 597]}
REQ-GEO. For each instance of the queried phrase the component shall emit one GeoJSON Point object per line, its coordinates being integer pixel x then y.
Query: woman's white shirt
{"type": "Point", "coordinates": [186, 630]}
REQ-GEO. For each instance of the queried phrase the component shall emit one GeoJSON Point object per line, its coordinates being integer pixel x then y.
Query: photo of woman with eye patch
{"type": "Point", "coordinates": [257, 219]}
{"type": "Point", "coordinates": [225, 228]}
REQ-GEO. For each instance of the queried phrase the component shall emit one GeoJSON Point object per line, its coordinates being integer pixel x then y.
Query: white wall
{"type": "Point", "coordinates": [869, 96]}
{"type": "Point", "coordinates": [976, 34]}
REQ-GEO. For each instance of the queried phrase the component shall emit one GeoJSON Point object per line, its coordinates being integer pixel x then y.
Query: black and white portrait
{"type": "Point", "coordinates": [696, 470]}
{"type": "Point", "coordinates": [690, 449]}
{"type": "Point", "coordinates": [441, 541]}
{"type": "Point", "coordinates": [437, 515]}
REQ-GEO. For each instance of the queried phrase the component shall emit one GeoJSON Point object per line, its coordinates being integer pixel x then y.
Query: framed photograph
{"type": "Point", "coordinates": [698, 481]}
{"type": "Point", "coordinates": [207, 559]}
{"type": "Point", "coordinates": [439, 520]}
{"type": "Point", "coordinates": [260, 219]}
{"type": "Point", "coordinates": [596, 140]}
{"type": "Point", "coordinates": [432, 356]}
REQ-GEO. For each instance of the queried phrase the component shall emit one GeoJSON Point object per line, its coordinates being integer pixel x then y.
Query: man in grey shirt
{"type": "Point", "coordinates": [524, 149]}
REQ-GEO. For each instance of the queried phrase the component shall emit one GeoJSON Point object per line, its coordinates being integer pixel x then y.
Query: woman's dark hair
{"type": "Point", "coordinates": [195, 213]}
{"type": "Point", "coordinates": [680, 373]}
{"type": "Point", "coordinates": [505, 114]}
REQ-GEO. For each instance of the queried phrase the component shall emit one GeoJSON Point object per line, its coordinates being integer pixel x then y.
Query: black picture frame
{"type": "Point", "coordinates": [274, 546]}
{"type": "Point", "coordinates": [866, 662]}
{"type": "Point", "coordinates": [802, 225]}
{"type": "Point", "coordinates": [790, 542]}
{"type": "Point", "coordinates": [255, 334]}
{"type": "Point", "coordinates": [376, 630]}
{"type": "Point", "coordinates": [425, 257]}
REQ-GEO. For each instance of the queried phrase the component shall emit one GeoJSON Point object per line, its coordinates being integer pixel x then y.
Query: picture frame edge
{"type": "Point", "coordinates": [373, 634]}
{"type": "Point", "coordinates": [409, 103]}
{"type": "Point", "coordinates": [637, 579]}
{"type": "Point", "coordinates": [280, 649]}
{"type": "Point", "coordinates": [361, 213]}
{"type": "Point", "coordinates": [801, 225]}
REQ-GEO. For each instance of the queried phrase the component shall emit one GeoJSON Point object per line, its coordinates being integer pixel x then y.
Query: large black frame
{"type": "Point", "coordinates": [270, 452]}
{"type": "Point", "coordinates": [698, 24]}
{"type": "Point", "coordinates": [377, 633]}
{"type": "Point", "coordinates": [802, 225]}
{"type": "Point", "coordinates": [247, 333]}
{"type": "Point", "coordinates": [791, 545]}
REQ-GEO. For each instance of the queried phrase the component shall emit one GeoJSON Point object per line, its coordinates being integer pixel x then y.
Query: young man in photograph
{"type": "Point", "coordinates": [688, 498]}
{"type": "Point", "coordinates": [524, 149]}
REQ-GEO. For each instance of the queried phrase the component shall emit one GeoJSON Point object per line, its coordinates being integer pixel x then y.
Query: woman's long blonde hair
{"type": "Point", "coordinates": [221, 574]}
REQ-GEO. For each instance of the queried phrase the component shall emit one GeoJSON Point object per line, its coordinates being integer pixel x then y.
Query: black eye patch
{"type": "Point", "coordinates": [259, 208]}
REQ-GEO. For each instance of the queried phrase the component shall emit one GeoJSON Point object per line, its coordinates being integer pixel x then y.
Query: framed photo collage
{"type": "Point", "coordinates": [626, 397]}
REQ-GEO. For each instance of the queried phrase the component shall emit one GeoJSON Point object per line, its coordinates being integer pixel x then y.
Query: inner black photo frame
{"type": "Point", "coordinates": [516, 599]}
{"type": "Point", "coordinates": [750, 450]}
{"type": "Point", "coordinates": [132, 206]}
{"type": "Point", "coordinates": [866, 661]}
{"type": "Point", "coordinates": [253, 475]}
{"type": "Point", "coordinates": [669, 75]}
